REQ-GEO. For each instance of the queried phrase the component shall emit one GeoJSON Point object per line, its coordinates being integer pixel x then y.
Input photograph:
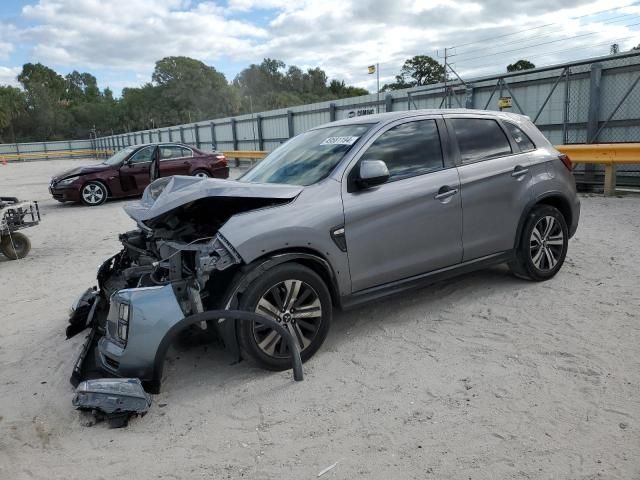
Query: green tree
{"type": "Point", "coordinates": [13, 104]}
{"type": "Point", "coordinates": [520, 65]}
{"type": "Point", "coordinates": [81, 87]}
{"type": "Point", "coordinates": [193, 90]}
{"type": "Point", "coordinates": [183, 89]}
{"type": "Point", "coordinates": [417, 71]}
{"type": "Point", "coordinates": [340, 90]}
{"type": "Point", "coordinates": [45, 90]}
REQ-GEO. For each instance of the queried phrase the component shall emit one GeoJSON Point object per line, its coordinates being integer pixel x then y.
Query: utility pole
{"type": "Point", "coordinates": [253, 124]}
{"type": "Point", "coordinates": [446, 75]}
{"type": "Point", "coordinates": [378, 87]}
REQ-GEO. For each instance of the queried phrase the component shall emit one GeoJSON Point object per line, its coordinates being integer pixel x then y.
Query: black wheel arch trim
{"type": "Point", "coordinates": [540, 200]}
{"type": "Point", "coordinates": [212, 315]}
{"type": "Point", "coordinates": [228, 330]}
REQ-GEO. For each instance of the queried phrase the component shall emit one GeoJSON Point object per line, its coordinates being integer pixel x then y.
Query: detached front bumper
{"type": "Point", "coordinates": [123, 347]}
{"type": "Point", "coordinates": [151, 312]}
{"type": "Point", "coordinates": [140, 326]}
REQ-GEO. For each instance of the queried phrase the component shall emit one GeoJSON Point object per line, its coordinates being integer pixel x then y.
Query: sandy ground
{"type": "Point", "coordinates": [482, 377]}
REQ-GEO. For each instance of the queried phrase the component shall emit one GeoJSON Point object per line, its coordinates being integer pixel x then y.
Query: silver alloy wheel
{"type": "Point", "coordinates": [93, 194]}
{"type": "Point", "coordinates": [201, 174]}
{"type": "Point", "coordinates": [546, 243]}
{"type": "Point", "coordinates": [295, 305]}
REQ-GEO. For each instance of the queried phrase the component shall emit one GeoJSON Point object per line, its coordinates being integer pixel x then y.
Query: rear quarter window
{"type": "Point", "coordinates": [480, 139]}
{"type": "Point", "coordinates": [522, 139]}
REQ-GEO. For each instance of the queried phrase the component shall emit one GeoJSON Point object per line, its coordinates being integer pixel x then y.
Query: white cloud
{"type": "Point", "coordinates": [8, 76]}
{"type": "Point", "coordinates": [247, 5]}
{"type": "Point", "coordinates": [5, 49]}
{"type": "Point", "coordinates": [133, 34]}
{"type": "Point", "coordinates": [7, 34]}
{"type": "Point", "coordinates": [341, 36]}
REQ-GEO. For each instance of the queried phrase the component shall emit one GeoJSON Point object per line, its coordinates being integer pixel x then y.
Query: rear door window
{"type": "Point", "coordinates": [480, 139]}
{"type": "Point", "coordinates": [408, 149]}
{"type": "Point", "coordinates": [521, 138]}
{"type": "Point", "coordinates": [168, 152]}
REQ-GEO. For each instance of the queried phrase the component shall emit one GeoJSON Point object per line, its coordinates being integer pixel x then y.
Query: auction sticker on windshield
{"type": "Point", "coordinates": [339, 141]}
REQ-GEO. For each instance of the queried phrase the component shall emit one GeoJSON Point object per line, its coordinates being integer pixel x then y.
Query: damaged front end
{"type": "Point", "coordinates": [174, 266]}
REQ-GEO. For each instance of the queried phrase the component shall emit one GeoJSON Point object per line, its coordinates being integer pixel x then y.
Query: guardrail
{"type": "Point", "coordinates": [51, 154]}
{"type": "Point", "coordinates": [608, 154]}
{"type": "Point", "coordinates": [252, 154]}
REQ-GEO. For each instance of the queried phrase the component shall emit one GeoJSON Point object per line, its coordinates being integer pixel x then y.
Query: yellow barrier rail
{"type": "Point", "coordinates": [607, 154]}
{"type": "Point", "coordinates": [252, 154]}
{"type": "Point", "coordinates": [50, 154]}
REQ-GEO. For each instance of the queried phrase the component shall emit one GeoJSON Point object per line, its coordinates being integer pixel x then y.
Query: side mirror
{"type": "Point", "coordinates": [372, 173]}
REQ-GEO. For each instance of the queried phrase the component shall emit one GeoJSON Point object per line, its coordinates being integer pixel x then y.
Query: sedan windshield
{"type": "Point", "coordinates": [307, 158]}
{"type": "Point", "coordinates": [118, 157]}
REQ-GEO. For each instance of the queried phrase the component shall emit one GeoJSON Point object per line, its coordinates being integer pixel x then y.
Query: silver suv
{"type": "Point", "coordinates": [344, 213]}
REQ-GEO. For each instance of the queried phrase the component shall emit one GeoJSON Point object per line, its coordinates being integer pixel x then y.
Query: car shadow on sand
{"type": "Point", "coordinates": [196, 359]}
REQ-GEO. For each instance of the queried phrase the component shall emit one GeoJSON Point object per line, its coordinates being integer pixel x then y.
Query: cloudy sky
{"type": "Point", "coordinates": [119, 40]}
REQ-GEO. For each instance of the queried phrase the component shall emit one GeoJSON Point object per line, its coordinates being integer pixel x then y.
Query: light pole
{"type": "Point", "coordinates": [253, 124]}
{"type": "Point", "coordinates": [376, 68]}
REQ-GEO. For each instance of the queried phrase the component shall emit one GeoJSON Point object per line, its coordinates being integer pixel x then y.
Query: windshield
{"type": "Point", "coordinates": [307, 158]}
{"type": "Point", "coordinates": [119, 156]}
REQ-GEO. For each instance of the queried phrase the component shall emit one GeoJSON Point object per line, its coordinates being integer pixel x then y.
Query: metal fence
{"type": "Point", "coordinates": [590, 101]}
{"type": "Point", "coordinates": [47, 150]}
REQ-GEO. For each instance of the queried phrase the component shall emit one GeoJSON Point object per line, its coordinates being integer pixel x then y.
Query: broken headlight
{"type": "Point", "coordinates": [157, 187]}
{"type": "Point", "coordinates": [123, 322]}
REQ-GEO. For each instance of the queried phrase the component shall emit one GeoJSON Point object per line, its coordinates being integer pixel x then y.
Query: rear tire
{"type": "Point", "coordinates": [200, 173]}
{"type": "Point", "coordinates": [297, 298]}
{"type": "Point", "coordinates": [15, 246]}
{"type": "Point", "coordinates": [543, 245]}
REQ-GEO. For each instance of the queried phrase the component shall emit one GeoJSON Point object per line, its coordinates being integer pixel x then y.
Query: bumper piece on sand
{"type": "Point", "coordinates": [113, 399]}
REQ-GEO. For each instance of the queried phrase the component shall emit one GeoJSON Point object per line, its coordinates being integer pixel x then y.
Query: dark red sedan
{"type": "Point", "coordinates": [130, 170]}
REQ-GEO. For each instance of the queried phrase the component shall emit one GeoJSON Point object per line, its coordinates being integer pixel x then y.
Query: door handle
{"type": "Point", "coordinates": [445, 192]}
{"type": "Point", "coordinates": [519, 171]}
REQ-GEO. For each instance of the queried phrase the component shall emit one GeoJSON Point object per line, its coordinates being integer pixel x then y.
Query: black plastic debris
{"type": "Point", "coordinates": [115, 400]}
{"type": "Point", "coordinates": [82, 311]}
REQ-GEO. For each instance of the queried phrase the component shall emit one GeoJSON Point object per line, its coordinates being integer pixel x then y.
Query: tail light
{"type": "Point", "coordinates": [566, 160]}
{"type": "Point", "coordinates": [221, 158]}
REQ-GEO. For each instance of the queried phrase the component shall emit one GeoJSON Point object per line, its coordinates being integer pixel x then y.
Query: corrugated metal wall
{"type": "Point", "coordinates": [46, 150]}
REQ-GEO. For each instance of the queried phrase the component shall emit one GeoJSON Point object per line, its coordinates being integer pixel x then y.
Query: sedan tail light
{"type": "Point", "coordinates": [566, 160]}
{"type": "Point", "coordinates": [221, 158]}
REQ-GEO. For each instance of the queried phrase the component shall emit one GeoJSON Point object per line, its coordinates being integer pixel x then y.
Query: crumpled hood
{"type": "Point", "coordinates": [166, 194]}
{"type": "Point", "coordinates": [98, 167]}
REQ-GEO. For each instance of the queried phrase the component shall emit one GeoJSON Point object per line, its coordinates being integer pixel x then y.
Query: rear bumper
{"type": "Point", "coordinates": [220, 172]}
{"type": "Point", "coordinates": [575, 217]}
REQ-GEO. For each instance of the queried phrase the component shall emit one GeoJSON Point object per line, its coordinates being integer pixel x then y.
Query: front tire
{"type": "Point", "coordinates": [93, 194]}
{"type": "Point", "coordinates": [296, 297]}
{"type": "Point", "coordinates": [15, 246]}
{"type": "Point", "coordinates": [543, 245]}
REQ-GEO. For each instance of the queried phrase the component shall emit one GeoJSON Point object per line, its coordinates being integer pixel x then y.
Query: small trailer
{"type": "Point", "coordinates": [16, 215]}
